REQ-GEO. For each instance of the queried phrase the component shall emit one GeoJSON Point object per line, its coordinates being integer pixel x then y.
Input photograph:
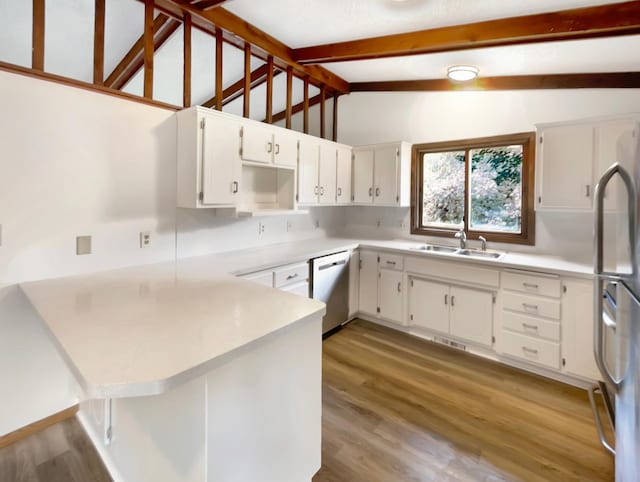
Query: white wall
{"type": "Point", "coordinates": [420, 117]}
{"type": "Point", "coordinates": [76, 162]}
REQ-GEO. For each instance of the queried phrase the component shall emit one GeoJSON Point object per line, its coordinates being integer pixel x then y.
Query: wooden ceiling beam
{"type": "Point", "coordinates": [235, 90]}
{"type": "Point", "coordinates": [237, 32]}
{"type": "Point", "coordinates": [133, 61]}
{"type": "Point", "coordinates": [579, 23]}
{"type": "Point", "coordinates": [620, 80]}
{"type": "Point", "coordinates": [315, 100]}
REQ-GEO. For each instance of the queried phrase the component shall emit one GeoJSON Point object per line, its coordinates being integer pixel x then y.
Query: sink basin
{"type": "Point", "coordinates": [478, 254]}
{"type": "Point", "coordinates": [437, 249]}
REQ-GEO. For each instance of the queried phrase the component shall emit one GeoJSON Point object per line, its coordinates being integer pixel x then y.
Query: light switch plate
{"type": "Point", "coordinates": [83, 245]}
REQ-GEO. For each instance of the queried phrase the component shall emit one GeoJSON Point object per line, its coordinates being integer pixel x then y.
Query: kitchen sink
{"type": "Point", "coordinates": [478, 254]}
{"type": "Point", "coordinates": [437, 249]}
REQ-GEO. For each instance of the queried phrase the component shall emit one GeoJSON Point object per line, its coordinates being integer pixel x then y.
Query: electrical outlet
{"type": "Point", "coordinates": [317, 223]}
{"type": "Point", "coordinates": [145, 239]}
{"type": "Point", "coordinates": [83, 245]}
{"type": "Point", "coordinates": [260, 228]}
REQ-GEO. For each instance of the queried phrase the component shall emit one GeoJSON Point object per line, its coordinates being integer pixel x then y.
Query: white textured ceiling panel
{"type": "Point", "coordinates": [300, 23]}
{"type": "Point", "coordinates": [614, 54]}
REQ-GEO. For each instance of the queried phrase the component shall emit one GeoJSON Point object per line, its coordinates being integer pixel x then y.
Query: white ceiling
{"type": "Point", "coordinates": [311, 22]}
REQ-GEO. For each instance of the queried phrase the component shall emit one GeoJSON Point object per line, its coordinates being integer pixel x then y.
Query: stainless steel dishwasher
{"type": "Point", "coordinates": [330, 284]}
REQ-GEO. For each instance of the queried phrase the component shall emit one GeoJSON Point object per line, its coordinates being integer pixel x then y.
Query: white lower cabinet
{"type": "Point", "coordinates": [293, 278]}
{"type": "Point", "coordinates": [471, 315]}
{"type": "Point", "coordinates": [464, 313]}
{"type": "Point", "coordinates": [390, 294]}
{"type": "Point", "coordinates": [368, 282]}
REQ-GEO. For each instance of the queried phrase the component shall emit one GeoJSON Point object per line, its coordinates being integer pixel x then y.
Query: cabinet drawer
{"type": "Point", "coordinates": [531, 305]}
{"type": "Point", "coordinates": [301, 289]}
{"type": "Point", "coordinates": [530, 325]}
{"type": "Point", "coordinates": [531, 349]}
{"type": "Point", "coordinates": [261, 277]}
{"type": "Point", "coordinates": [391, 261]}
{"type": "Point", "coordinates": [293, 273]}
{"type": "Point", "coordinates": [531, 283]}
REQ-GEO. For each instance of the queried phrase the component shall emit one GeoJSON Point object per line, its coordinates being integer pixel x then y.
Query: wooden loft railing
{"type": "Point", "coordinates": [225, 28]}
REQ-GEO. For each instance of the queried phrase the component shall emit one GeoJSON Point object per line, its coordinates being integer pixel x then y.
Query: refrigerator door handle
{"type": "Point", "coordinates": [601, 276]}
{"type": "Point", "coordinates": [598, 419]}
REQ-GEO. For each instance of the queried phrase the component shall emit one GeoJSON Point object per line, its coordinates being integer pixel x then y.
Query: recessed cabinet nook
{"type": "Point", "coordinates": [247, 168]}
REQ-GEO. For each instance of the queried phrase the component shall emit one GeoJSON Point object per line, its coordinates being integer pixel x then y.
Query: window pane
{"type": "Point", "coordinates": [443, 189]}
{"type": "Point", "coordinates": [495, 189]}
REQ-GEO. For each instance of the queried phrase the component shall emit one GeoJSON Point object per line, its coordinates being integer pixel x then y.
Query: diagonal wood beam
{"type": "Point", "coordinates": [579, 23]}
{"type": "Point", "coordinates": [133, 61]}
{"type": "Point", "coordinates": [315, 100]}
{"type": "Point", "coordinates": [238, 31]}
{"type": "Point", "coordinates": [621, 80]}
{"type": "Point", "coordinates": [235, 90]}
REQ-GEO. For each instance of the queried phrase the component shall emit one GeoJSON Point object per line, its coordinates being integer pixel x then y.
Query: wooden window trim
{"type": "Point", "coordinates": [527, 139]}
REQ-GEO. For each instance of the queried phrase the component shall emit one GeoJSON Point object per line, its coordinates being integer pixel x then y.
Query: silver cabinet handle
{"type": "Point", "coordinates": [315, 190]}
{"type": "Point", "coordinates": [393, 263]}
{"type": "Point", "coordinates": [532, 286]}
{"type": "Point", "coordinates": [234, 187]}
{"type": "Point", "coordinates": [377, 192]}
{"type": "Point", "coordinates": [321, 191]}
{"type": "Point", "coordinates": [399, 286]}
{"type": "Point", "coordinates": [587, 190]}
{"type": "Point", "coordinates": [528, 306]}
{"type": "Point", "coordinates": [527, 326]}
{"type": "Point", "coordinates": [446, 298]}
{"type": "Point", "coordinates": [277, 149]}
{"type": "Point", "coordinates": [370, 192]}
{"type": "Point", "coordinates": [453, 300]}
{"type": "Point", "coordinates": [339, 191]}
{"type": "Point", "coordinates": [292, 276]}
{"type": "Point", "coordinates": [529, 350]}
{"type": "Point", "coordinates": [269, 147]}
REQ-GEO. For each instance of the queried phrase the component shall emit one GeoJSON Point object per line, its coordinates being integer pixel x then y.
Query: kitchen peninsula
{"type": "Point", "coordinates": [190, 375]}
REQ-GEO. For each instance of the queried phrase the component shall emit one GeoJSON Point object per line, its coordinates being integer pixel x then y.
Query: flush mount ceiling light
{"type": "Point", "coordinates": [462, 73]}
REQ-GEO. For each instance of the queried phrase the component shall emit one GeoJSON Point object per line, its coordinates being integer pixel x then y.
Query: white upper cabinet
{"type": "Point", "coordinates": [362, 176]}
{"type": "Point", "coordinates": [268, 144]}
{"type": "Point", "coordinates": [209, 165]}
{"type": "Point", "coordinates": [308, 162]}
{"type": "Point", "coordinates": [324, 172]}
{"type": "Point", "coordinates": [572, 157]}
{"type": "Point", "coordinates": [343, 176]}
{"type": "Point", "coordinates": [382, 174]}
{"type": "Point", "coordinates": [565, 167]}
{"type": "Point", "coordinates": [327, 174]}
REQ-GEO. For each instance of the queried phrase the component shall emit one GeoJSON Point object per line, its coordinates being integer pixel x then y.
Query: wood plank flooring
{"type": "Point", "coordinates": [60, 453]}
{"type": "Point", "coordinates": [397, 408]}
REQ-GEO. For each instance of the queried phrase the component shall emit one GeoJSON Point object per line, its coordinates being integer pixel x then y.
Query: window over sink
{"type": "Point", "coordinates": [482, 186]}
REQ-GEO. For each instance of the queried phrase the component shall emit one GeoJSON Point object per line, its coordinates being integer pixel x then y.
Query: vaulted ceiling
{"type": "Point", "coordinates": [335, 43]}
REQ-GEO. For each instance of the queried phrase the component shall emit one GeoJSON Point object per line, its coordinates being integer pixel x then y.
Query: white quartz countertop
{"type": "Point", "coordinates": [143, 330]}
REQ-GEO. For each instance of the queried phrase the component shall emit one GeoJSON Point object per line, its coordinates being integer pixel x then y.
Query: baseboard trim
{"type": "Point", "coordinates": [38, 426]}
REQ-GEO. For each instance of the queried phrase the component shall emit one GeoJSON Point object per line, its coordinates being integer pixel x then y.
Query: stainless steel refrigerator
{"type": "Point", "coordinates": [617, 305]}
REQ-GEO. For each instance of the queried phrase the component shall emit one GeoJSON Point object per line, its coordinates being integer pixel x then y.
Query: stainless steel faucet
{"type": "Point", "coordinates": [483, 240]}
{"type": "Point", "coordinates": [463, 238]}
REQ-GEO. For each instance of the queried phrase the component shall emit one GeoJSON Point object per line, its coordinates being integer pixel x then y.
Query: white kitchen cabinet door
{"type": "Point", "coordinates": [577, 329]}
{"type": "Point", "coordinates": [257, 143]}
{"type": "Point", "coordinates": [308, 161]}
{"type": "Point", "coordinates": [354, 283]}
{"type": "Point", "coordinates": [285, 149]}
{"type": "Point", "coordinates": [390, 294]}
{"type": "Point", "coordinates": [607, 136]}
{"type": "Point", "coordinates": [363, 176]}
{"type": "Point", "coordinates": [221, 166]}
{"type": "Point", "coordinates": [343, 176]}
{"type": "Point", "coordinates": [327, 174]}
{"type": "Point", "coordinates": [301, 289]}
{"type": "Point", "coordinates": [368, 282]}
{"type": "Point", "coordinates": [429, 305]}
{"type": "Point", "coordinates": [471, 315]}
{"type": "Point", "coordinates": [385, 174]}
{"type": "Point", "coordinates": [565, 168]}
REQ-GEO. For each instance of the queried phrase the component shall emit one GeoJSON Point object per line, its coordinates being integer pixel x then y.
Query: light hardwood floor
{"type": "Point", "coordinates": [396, 409]}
